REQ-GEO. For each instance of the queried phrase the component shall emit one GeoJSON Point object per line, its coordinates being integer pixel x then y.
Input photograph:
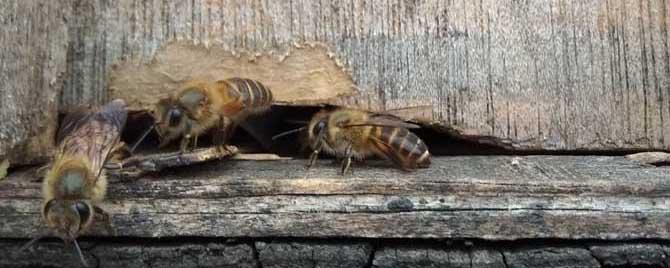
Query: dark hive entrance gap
{"type": "Point", "coordinates": [440, 140]}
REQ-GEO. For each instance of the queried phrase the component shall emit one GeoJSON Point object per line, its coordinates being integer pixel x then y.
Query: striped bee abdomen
{"type": "Point", "coordinates": [404, 147]}
{"type": "Point", "coordinates": [254, 94]}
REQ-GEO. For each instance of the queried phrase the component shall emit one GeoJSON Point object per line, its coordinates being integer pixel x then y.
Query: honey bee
{"type": "Point", "coordinates": [349, 133]}
{"type": "Point", "coordinates": [75, 183]}
{"type": "Point", "coordinates": [201, 106]}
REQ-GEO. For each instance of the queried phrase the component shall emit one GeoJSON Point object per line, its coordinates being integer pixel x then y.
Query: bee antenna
{"type": "Point", "coordinates": [285, 133]}
{"type": "Point", "coordinates": [81, 255]}
{"type": "Point", "coordinates": [297, 122]}
{"type": "Point", "coordinates": [144, 135]}
{"type": "Point", "coordinates": [31, 242]}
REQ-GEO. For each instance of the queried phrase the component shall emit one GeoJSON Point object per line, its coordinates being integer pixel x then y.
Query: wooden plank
{"type": "Point", "coordinates": [314, 254]}
{"type": "Point", "coordinates": [631, 255]}
{"type": "Point", "coordinates": [123, 254]}
{"type": "Point", "coordinates": [497, 198]}
{"type": "Point", "coordinates": [547, 74]}
{"type": "Point", "coordinates": [421, 256]}
{"type": "Point", "coordinates": [338, 253]}
{"type": "Point", "coordinates": [551, 257]}
{"type": "Point", "coordinates": [34, 39]}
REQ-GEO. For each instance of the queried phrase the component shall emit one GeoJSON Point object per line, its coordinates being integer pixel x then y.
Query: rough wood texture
{"type": "Point", "coordinates": [497, 198]}
{"type": "Point", "coordinates": [177, 255]}
{"type": "Point", "coordinates": [556, 74]}
{"type": "Point", "coordinates": [306, 74]}
{"type": "Point", "coordinates": [411, 256]}
{"type": "Point", "coordinates": [328, 253]}
{"type": "Point", "coordinates": [560, 257]}
{"type": "Point", "coordinates": [325, 255]}
{"type": "Point", "coordinates": [627, 255]}
{"type": "Point", "coordinates": [33, 37]}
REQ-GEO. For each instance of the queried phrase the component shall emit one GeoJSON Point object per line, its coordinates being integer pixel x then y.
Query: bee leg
{"type": "Point", "coordinates": [119, 152]}
{"type": "Point", "coordinates": [195, 142]}
{"type": "Point", "coordinates": [184, 143]}
{"type": "Point", "coordinates": [312, 158]}
{"type": "Point", "coordinates": [346, 163]}
{"type": "Point", "coordinates": [219, 135]}
{"type": "Point", "coordinates": [40, 173]}
{"type": "Point", "coordinates": [104, 217]}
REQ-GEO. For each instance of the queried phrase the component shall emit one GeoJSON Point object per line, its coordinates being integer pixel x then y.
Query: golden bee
{"type": "Point", "coordinates": [349, 133]}
{"type": "Point", "coordinates": [200, 106]}
{"type": "Point", "coordinates": [75, 183]}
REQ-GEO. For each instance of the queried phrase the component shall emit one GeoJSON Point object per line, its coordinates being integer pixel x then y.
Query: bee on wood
{"type": "Point", "coordinates": [75, 182]}
{"type": "Point", "coordinates": [201, 106]}
{"type": "Point", "coordinates": [348, 133]}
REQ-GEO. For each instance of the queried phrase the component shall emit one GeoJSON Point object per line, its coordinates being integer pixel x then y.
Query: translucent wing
{"type": "Point", "coordinates": [94, 134]}
{"type": "Point", "coordinates": [72, 121]}
{"type": "Point", "coordinates": [383, 120]}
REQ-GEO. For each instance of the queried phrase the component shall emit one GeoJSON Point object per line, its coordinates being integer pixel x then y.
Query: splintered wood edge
{"type": "Point", "coordinates": [138, 165]}
{"type": "Point", "coordinates": [651, 158]}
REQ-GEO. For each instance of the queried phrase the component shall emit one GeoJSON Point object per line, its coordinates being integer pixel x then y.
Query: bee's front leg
{"type": "Point", "coordinates": [40, 173]}
{"type": "Point", "coordinates": [314, 155]}
{"type": "Point", "coordinates": [104, 217]}
{"type": "Point", "coordinates": [184, 143]}
{"type": "Point", "coordinates": [119, 152]}
{"type": "Point", "coordinates": [346, 163]}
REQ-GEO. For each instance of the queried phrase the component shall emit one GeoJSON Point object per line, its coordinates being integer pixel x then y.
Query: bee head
{"type": "Point", "coordinates": [317, 128]}
{"type": "Point", "coordinates": [68, 218]}
{"type": "Point", "coordinates": [171, 120]}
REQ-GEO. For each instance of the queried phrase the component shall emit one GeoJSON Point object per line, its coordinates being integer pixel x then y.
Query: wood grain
{"type": "Point", "coordinates": [33, 59]}
{"type": "Point", "coordinates": [494, 198]}
{"type": "Point", "coordinates": [120, 254]}
{"type": "Point", "coordinates": [551, 74]}
{"type": "Point", "coordinates": [345, 254]}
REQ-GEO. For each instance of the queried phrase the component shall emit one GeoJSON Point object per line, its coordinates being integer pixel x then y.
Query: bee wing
{"type": "Point", "coordinates": [383, 120]}
{"type": "Point", "coordinates": [95, 135]}
{"type": "Point", "coordinates": [72, 121]}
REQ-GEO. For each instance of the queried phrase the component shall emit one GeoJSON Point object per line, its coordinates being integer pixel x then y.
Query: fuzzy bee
{"type": "Point", "coordinates": [349, 133]}
{"type": "Point", "coordinates": [201, 106]}
{"type": "Point", "coordinates": [75, 183]}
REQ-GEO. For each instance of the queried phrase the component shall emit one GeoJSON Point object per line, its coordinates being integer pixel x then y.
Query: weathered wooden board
{"type": "Point", "coordinates": [421, 256]}
{"type": "Point", "coordinates": [554, 74]}
{"type": "Point", "coordinates": [497, 198]}
{"type": "Point", "coordinates": [314, 254]}
{"type": "Point", "coordinates": [329, 253]}
{"type": "Point", "coordinates": [34, 38]}
{"type": "Point", "coordinates": [123, 254]}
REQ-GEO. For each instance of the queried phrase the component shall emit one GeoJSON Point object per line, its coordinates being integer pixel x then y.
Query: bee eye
{"type": "Point", "coordinates": [174, 117]}
{"type": "Point", "coordinates": [318, 128]}
{"type": "Point", "coordinates": [83, 210]}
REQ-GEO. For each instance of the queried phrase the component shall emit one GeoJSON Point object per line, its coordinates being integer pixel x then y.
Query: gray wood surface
{"type": "Point", "coordinates": [345, 254]}
{"type": "Point", "coordinates": [548, 74]}
{"type": "Point", "coordinates": [552, 74]}
{"type": "Point", "coordinates": [496, 198]}
{"type": "Point", "coordinates": [34, 39]}
{"type": "Point", "coordinates": [124, 254]}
